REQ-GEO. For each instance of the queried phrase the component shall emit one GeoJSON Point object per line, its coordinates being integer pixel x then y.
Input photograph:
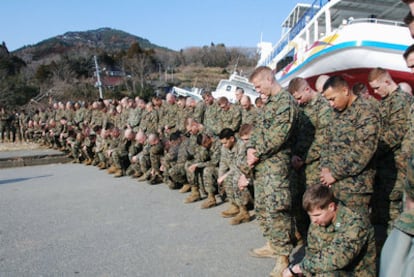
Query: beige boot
{"type": "Point", "coordinates": [233, 210]}
{"type": "Point", "coordinates": [185, 188]}
{"type": "Point", "coordinates": [209, 202]}
{"type": "Point", "coordinates": [195, 195]}
{"type": "Point", "coordinates": [88, 162]}
{"type": "Point", "coordinates": [102, 165]}
{"type": "Point", "coordinates": [112, 169]}
{"type": "Point", "coordinates": [242, 217]}
{"type": "Point", "coordinates": [144, 177]}
{"type": "Point", "coordinates": [282, 262]}
{"type": "Point", "coordinates": [119, 172]}
{"type": "Point", "coordinates": [263, 252]}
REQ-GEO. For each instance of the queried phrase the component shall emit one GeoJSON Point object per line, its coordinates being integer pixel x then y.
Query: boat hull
{"type": "Point", "coordinates": [354, 60]}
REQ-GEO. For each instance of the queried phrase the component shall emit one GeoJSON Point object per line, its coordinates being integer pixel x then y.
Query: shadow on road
{"type": "Point", "coordinates": [8, 181]}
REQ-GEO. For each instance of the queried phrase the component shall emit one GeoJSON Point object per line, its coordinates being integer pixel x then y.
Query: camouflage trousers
{"type": "Point", "coordinates": [176, 172]}
{"type": "Point", "coordinates": [87, 152]}
{"type": "Point", "coordinates": [155, 161]}
{"type": "Point", "coordinates": [76, 149]}
{"type": "Point", "coordinates": [240, 197]}
{"type": "Point", "coordinates": [120, 159]}
{"type": "Point", "coordinates": [272, 202]}
{"type": "Point", "coordinates": [204, 178]}
{"type": "Point", "coordinates": [209, 179]}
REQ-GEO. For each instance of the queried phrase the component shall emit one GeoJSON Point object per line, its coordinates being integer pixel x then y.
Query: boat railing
{"type": "Point", "coordinates": [376, 21]}
{"type": "Point", "coordinates": [295, 30]}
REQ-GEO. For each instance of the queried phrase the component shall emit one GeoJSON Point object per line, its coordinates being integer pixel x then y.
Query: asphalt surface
{"type": "Point", "coordinates": [75, 220]}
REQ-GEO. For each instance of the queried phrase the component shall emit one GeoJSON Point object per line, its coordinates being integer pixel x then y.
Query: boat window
{"type": "Point", "coordinates": [285, 61]}
{"type": "Point", "coordinates": [228, 88]}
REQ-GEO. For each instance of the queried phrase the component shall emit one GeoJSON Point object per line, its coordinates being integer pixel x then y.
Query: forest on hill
{"type": "Point", "coordinates": [63, 68]}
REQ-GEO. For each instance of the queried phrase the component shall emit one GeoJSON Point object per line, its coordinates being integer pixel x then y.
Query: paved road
{"type": "Point", "coordinates": [74, 220]}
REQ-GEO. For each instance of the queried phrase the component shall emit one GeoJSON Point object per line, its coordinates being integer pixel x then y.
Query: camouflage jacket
{"type": "Point", "coordinates": [249, 116]}
{"type": "Point", "coordinates": [395, 110]}
{"type": "Point", "coordinates": [271, 136]}
{"type": "Point", "coordinates": [229, 119]}
{"type": "Point", "coordinates": [344, 248]}
{"type": "Point", "coordinates": [210, 119]}
{"type": "Point", "coordinates": [212, 155]}
{"type": "Point", "coordinates": [313, 120]}
{"type": "Point", "coordinates": [350, 145]}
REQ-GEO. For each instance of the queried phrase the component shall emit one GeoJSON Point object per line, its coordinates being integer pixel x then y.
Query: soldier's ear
{"type": "Point", "coordinates": [332, 206]}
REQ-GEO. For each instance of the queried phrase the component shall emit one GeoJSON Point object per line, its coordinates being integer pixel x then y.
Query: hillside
{"type": "Point", "coordinates": [99, 40]}
{"type": "Point", "coordinates": [63, 68]}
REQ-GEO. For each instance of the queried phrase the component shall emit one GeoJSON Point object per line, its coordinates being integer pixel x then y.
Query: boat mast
{"type": "Point", "coordinates": [98, 83]}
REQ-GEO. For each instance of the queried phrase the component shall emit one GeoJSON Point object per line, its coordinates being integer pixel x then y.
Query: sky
{"type": "Point", "coordinates": [175, 24]}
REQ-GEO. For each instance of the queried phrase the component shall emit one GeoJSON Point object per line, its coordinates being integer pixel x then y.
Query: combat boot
{"type": "Point", "coordinates": [102, 165]}
{"type": "Point", "coordinates": [263, 252]}
{"type": "Point", "coordinates": [195, 195]}
{"type": "Point", "coordinates": [233, 210]}
{"type": "Point", "coordinates": [144, 177]}
{"type": "Point", "coordinates": [185, 188]}
{"type": "Point", "coordinates": [137, 174]}
{"type": "Point", "coordinates": [170, 183]}
{"type": "Point", "coordinates": [119, 172]}
{"type": "Point", "coordinates": [87, 162]}
{"type": "Point", "coordinates": [242, 217]}
{"type": "Point", "coordinates": [282, 262]}
{"type": "Point", "coordinates": [76, 161]}
{"type": "Point", "coordinates": [112, 169]}
{"type": "Point", "coordinates": [155, 179]}
{"type": "Point", "coordinates": [209, 202]}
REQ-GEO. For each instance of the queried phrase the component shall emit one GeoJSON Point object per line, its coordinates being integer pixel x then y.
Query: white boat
{"type": "Point", "coordinates": [193, 92]}
{"type": "Point", "coordinates": [347, 37]}
{"type": "Point", "coordinates": [227, 88]}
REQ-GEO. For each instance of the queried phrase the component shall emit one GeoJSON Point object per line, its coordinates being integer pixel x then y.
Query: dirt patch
{"type": "Point", "coordinates": [9, 146]}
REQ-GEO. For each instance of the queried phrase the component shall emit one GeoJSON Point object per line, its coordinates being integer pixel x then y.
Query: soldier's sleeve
{"type": "Point", "coordinates": [339, 253]}
{"type": "Point", "coordinates": [224, 162]}
{"type": "Point", "coordinates": [407, 145]}
{"type": "Point", "coordinates": [361, 150]}
{"type": "Point", "coordinates": [324, 118]}
{"type": "Point", "coordinates": [236, 119]}
{"type": "Point", "coordinates": [396, 128]}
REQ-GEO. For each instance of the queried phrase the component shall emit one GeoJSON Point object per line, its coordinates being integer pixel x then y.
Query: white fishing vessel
{"type": "Point", "coordinates": [227, 88]}
{"type": "Point", "coordinates": [194, 92]}
{"type": "Point", "coordinates": [347, 37]}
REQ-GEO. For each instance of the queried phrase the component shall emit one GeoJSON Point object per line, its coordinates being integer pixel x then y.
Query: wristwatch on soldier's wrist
{"type": "Point", "coordinates": [290, 267]}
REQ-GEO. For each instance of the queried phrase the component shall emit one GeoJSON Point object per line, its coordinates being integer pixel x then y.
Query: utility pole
{"type": "Point", "coordinates": [98, 83]}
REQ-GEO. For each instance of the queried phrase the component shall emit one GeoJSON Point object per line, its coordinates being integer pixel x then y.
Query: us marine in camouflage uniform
{"type": "Point", "coordinates": [173, 175]}
{"type": "Point", "coordinates": [210, 114]}
{"type": "Point", "coordinates": [196, 153]}
{"type": "Point", "coordinates": [268, 153]}
{"type": "Point", "coordinates": [340, 241]}
{"type": "Point", "coordinates": [229, 116]}
{"type": "Point", "coordinates": [120, 153]}
{"type": "Point", "coordinates": [314, 117]}
{"type": "Point", "coordinates": [208, 167]}
{"type": "Point", "coordinates": [135, 168]}
{"type": "Point", "coordinates": [391, 166]}
{"type": "Point", "coordinates": [248, 111]}
{"type": "Point", "coordinates": [233, 154]}
{"type": "Point", "coordinates": [347, 156]}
